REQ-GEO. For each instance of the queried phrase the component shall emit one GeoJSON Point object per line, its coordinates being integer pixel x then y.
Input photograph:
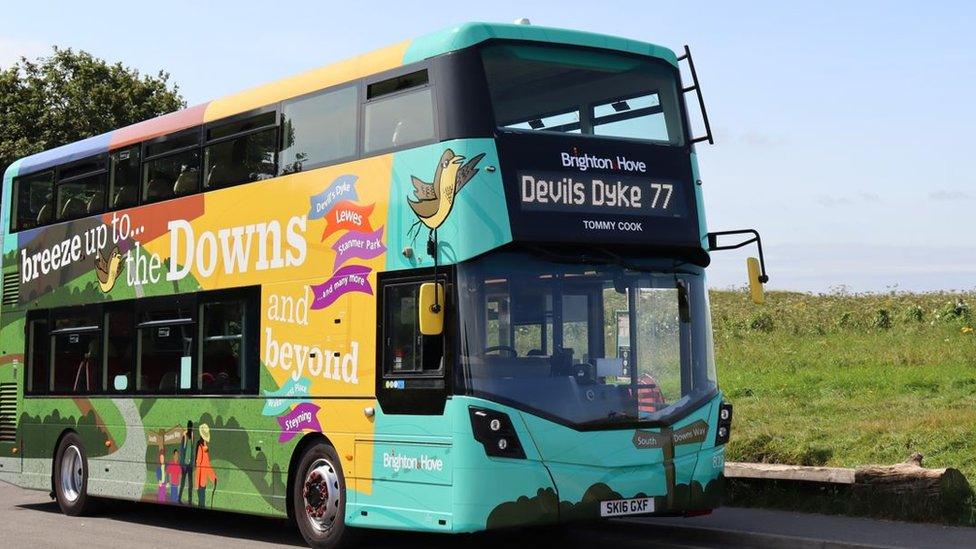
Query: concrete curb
{"type": "Point", "coordinates": [741, 538]}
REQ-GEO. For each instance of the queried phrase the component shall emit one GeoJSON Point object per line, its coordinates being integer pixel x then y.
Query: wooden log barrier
{"type": "Point", "coordinates": [904, 490]}
{"type": "Point", "coordinates": [908, 488]}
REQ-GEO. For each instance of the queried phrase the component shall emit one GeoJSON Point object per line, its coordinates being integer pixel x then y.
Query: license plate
{"type": "Point", "coordinates": [620, 507]}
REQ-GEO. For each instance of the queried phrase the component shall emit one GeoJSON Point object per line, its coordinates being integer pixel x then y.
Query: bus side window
{"type": "Point", "coordinates": [80, 197]}
{"type": "Point", "coordinates": [222, 346]}
{"type": "Point", "coordinates": [399, 113]}
{"type": "Point", "coordinates": [119, 350]}
{"type": "Point", "coordinates": [32, 203]}
{"type": "Point", "coordinates": [76, 348]}
{"type": "Point", "coordinates": [124, 187]}
{"type": "Point", "coordinates": [241, 151]}
{"type": "Point", "coordinates": [171, 167]}
{"type": "Point", "coordinates": [166, 343]}
{"type": "Point", "coordinates": [407, 350]}
{"type": "Point", "coordinates": [319, 129]}
{"type": "Point", "coordinates": [38, 355]}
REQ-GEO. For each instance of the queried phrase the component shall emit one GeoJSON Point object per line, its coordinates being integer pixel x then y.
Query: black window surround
{"type": "Point", "coordinates": [195, 138]}
{"type": "Point", "coordinates": [140, 310]}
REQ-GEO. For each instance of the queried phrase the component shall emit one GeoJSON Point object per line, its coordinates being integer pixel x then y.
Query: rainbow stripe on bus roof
{"type": "Point", "coordinates": [391, 57]}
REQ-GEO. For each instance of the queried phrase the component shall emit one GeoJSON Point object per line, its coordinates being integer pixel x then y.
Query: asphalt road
{"type": "Point", "coordinates": [31, 519]}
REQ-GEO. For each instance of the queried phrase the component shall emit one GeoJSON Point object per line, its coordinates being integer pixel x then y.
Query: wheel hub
{"type": "Point", "coordinates": [321, 495]}
{"type": "Point", "coordinates": [72, 473]}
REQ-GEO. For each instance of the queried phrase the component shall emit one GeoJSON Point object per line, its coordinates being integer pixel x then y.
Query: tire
{"type": "Point", "coordinates": [71, 477]}
{"type": "Point", "coordinates": [320, 520]}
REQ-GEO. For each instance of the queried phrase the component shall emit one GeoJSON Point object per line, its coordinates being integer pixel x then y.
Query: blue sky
{"type": "Point", "coordinates": [844, 130]}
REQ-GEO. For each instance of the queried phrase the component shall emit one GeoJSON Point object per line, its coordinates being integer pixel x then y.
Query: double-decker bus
{"type": "Point", "coordinates": [452, 285]}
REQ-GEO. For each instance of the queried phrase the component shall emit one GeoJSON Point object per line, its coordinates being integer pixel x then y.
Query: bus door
{"type": "Point", "coordinates": [411, 444]}
{"type": "Point", "coordinates": [413, 377]}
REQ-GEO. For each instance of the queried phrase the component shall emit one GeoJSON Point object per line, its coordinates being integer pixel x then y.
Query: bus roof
{"type": "Point", "coordinates": [409, 51]}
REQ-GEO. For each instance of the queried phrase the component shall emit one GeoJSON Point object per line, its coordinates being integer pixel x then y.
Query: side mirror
{"type": "Point", "coordinates": [755, 281]}
{"type": "Point", "coordinates": [431, 308]}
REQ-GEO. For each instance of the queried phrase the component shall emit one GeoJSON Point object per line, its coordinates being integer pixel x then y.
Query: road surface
{"type": "Point", "coordinates": [31, 519]}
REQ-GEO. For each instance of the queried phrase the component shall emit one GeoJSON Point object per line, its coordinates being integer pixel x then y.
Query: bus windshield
{"type": "Point", "coordinates": [589, 345]}
{"type": "Point", "coordinates": [571, 90]}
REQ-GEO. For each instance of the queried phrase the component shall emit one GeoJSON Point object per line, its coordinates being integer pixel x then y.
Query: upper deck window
{"type": "Point", "coordinates": [570, 90]}
{"type": "Point", "coordinates": [33, 196]}
{"type": "Point", "coordinates": [171, 167]}
{"type": "Point", "coordinates": [319, 129]}
{"type": "Point", "coordinates": [399, 113]}
{"type": "Point", "coordinates": [241, 151]}
{"type": "Point", "coordinates": [80, 189]}
{"type": "Point", "coordinates": [124, 173]}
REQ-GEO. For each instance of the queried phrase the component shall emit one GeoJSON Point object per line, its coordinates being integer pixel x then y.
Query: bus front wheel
{"type": "Point", "coordinates": [71, 476]}
{"type": "Point", "coordinates": [319, 498]}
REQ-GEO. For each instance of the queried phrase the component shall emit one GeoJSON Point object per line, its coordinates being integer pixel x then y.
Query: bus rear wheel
{"type": "Point", "coordinates": [319, 498]}
{"type": "Point", "coordinates": [71, 476]}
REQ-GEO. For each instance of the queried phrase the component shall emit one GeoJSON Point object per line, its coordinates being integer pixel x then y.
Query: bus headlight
{"type": "Point", "coordinates": [724, 424]}
{"type": "Point", "coordinates": [494, 430]}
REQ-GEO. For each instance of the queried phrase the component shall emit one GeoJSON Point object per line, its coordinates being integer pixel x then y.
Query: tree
{"type": "Point", "coordinates": [69, 96]}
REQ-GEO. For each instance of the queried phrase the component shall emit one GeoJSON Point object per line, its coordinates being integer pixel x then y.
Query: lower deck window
{"type": "Point", "coordinates": [120, 344]}
{"type": "Point", "coordinates": [38, 356]}
{"type": "Point", "coordinates": [203, 343]}
{"type": "Point", "coordinates": [222, 346]}
{"type": "Point", "coordinates": [75, 354]}
{"type": "Point", "coordinates": [165, 353]}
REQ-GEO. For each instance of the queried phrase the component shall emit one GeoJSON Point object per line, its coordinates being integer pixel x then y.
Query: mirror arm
{"type": "Point", "coordinates": [713, 246]}
{"type": "Point", "coordinates": [432, 251]}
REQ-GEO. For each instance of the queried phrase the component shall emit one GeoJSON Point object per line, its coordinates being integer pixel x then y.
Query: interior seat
{"type": "Point", "coordinates": [186, 183]}
{"type": "Point", "coordinates": [73, 207]}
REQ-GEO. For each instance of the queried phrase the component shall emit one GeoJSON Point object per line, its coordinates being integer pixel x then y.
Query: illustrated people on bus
{"type": "Point", "coordinates": [174, 470]}
{"type": "Point", "coordinates": [187, 459]}
{"type": "Point", "coordinates": [161, 473]}
{"type": "Point", "coordinates": [205, 472]}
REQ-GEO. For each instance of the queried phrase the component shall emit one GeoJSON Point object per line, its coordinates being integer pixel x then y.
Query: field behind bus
{"type": "Point", "coordinates": [846, 379]}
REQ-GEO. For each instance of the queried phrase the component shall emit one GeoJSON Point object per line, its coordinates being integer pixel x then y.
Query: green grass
{"type": "Point", "coordinates": [846, 380]}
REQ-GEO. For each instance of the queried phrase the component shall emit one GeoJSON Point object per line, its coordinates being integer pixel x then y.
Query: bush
{"type": "Point", "coordinates": [846, 320]}
{"type": "Point", "coordinates": [762, 322]}
{"type": "Point", "coordinates": [958, 310]}
{"type": "Point", "coordinates": [914, 313]}
{"type": "Point", "coordinates": [882, 319]}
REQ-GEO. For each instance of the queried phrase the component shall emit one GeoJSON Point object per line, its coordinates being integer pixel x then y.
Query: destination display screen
{"type": "Point", "coordinates": [600, 194]}
{"type": "Point", "coordinates": [567, 189]}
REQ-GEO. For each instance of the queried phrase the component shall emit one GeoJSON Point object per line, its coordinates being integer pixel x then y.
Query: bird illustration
{"type": "Point", "coordinates": [108, 270]}
{"type": "Point", "coordinates": [436, 199]}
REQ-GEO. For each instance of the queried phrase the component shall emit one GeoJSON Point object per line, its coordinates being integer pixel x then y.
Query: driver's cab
{"type": "Point", "coordinates": [535, 331]}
